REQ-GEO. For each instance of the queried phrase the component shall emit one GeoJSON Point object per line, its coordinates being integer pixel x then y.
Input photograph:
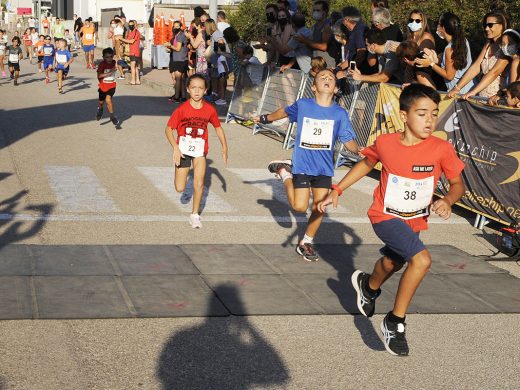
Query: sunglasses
{"type": "Point", "coordinates": [490, 24]}
{"type": "Point", "coordinates": [414, 20]}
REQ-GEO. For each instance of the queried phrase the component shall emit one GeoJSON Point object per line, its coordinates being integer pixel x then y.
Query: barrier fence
{"type": "Point", "coordinates": [484, 137]}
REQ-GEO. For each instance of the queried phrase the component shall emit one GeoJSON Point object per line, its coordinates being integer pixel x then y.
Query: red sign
{"type": "Point", "coordinates": [24, 11]}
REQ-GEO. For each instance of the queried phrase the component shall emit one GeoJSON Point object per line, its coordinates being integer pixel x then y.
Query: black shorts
{"type": "Point", "coordinates": [40, 59]}
{"type": "Point", "coordinates": [186, 162]}
{"type": "Point", "coordinates": [134, 58]}
{"type": "Point", "coordinates": [14, 65]}
{"type": "Point", "coordinates": [103, 95]}
{"type": "Point", "coordinates": [178, 66]}
{"type": "Point", "coordinates": [222, 75]}
{"type": "Point", "coordinates": [307, 181]}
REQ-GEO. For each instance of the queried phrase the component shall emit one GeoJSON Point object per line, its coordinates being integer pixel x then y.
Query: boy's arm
{"type": "Point", "coordinates": [352, 146]}
{"type": "Point", "coordinates": [278, 114]}
{"type": "Point", "coordinates": [360, 170]}
{"type": "Point", "coordinates": [177, 155]}
{"type": "Point", "coordinates": [223, 141]}
{"type": "Point", "coordinates": [442, 207]}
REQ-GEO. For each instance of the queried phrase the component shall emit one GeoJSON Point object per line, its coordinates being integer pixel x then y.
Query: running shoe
{"type": "Point", "coordinates": [394, 337]}
{"type": "Point", "coordinates": [114, 120]}
{"type": "Point", "coordinates": [47, 80]}
{"type": "Point", "coordinates": [99, 114]}
{"type": "Point", "coordinates": [366, 302]}
{"type": "Point", "coordinates": [220, 102]}
{"type": "Point", "coordinates": [15, 82]}
{"type": "Point", "coordinates": [195, 221]}
{"type": "Point", "coordinates": [121, 78]}
{"type": "Point", "coordinates": [88, 66]}
{"type": "Point", "coordinates": [276, 165]}
{"type": "Point", "coordinates": [306, 250]}
{"type": "Point", "coordinates": [12, 76]}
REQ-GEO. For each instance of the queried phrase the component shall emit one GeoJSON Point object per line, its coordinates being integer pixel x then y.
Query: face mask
{"type": "Point", "coordinates": [510, 50]}
{"type": "Point", "coordinates": [113, 25]}
{"type": "Point", "coordinates": [440, 35]}
{"type": "Point", "coordinates": [222, 47]}
{"type": "Point", "coordinates": [176, 30]}
{"type": "Point", "coordinates": [282, 21]}
{"type": "Point", "coordinates": [131, 28]}
{"type": "Point", "coordinates": [414, 26]}
{"type": "Point", "coordinates": [317, 15]}
{"type": "Point", "coordinates": [271, 18]}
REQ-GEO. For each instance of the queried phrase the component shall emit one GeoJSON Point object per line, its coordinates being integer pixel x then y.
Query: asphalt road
{"type": "Point", "coordinates": [48, 141]}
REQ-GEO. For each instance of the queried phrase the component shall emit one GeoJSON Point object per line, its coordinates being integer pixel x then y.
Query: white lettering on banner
{"type": "Point", "coordinates": [162, 179]}
{"type": "Point", "coordinates": [193, 147]}
{"type": "Point", "coordinates": [408, 198]}
{"type": "Point", "coordinates": [14, 58]}
{"type": "Point", "coordinates": [79, 190]}
{"type": "Point", "coordinates": [317, 134]}
{"type": "Point", "coordinates": [61, 59]}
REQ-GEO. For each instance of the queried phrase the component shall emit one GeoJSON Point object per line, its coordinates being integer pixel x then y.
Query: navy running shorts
{"type": "Point", "coordinates": [401, 242]}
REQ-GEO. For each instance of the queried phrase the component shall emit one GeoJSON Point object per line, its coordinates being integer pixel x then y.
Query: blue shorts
{"type": "Point", "coordinates": [65, 70]}
{"type": "Point", "coordinates": [87, 48]}
{"type": "Point", "coordinates": [48, 63]}
{"type": "Point", "coordinates": [401, 242]}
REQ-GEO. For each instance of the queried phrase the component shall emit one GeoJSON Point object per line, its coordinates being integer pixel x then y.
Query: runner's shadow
{"type": "Point", "coordinates": [221, 353]}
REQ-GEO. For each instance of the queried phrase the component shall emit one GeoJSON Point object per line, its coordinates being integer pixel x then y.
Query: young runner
{"type": "Point", "coordinates": [63, 59]}
{"type": "Point", "coordinates": [321, 122]}
{"type": "Point", "coordinates": [68, 38]}
{"type": "Point", "coordinates": [39, 52]}
{"type": "Point", "coordinates": [27, 42]}
{"type": "Point", "coordinates": [3, 46]}
{"type": "Point", "coordinates": [89, 42]}
{"type": "Point", "coordinates": [15, 56]}
{"type": "Point", "coordinates": [48, 58]}
{"type": "Point", "coordinates": [107, 85]}
{"type": "Point", "coordinates": [190, 121]}
{"type": "Point", "coordinates": [412, 163]}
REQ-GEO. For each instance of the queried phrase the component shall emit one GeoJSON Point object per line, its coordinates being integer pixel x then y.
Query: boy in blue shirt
{"type": "Point", "coordinates": [63, 59]}
{"type": "Point", "coordinates": [48, 57]}
{"type": "Point", "coordinates": [321, 123]}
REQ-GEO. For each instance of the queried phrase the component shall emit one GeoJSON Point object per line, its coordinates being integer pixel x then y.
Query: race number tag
{"type": "Point", "coordinates": [317, 134]}
{"type": "Point", "coordinates": [2, 49]}
{"type": "Point", "coordinates": [88, 37]}
{"type": "Point", "coordinates": [408, 198]}
{"type": "Point", "coordinates": [14, 58]}
{"type": "Point", "coordinates": [193, 147]}
{"type": "Point", "coordinates": [61, 59]}
{"type": "Point", "coordinates": [47, 51]}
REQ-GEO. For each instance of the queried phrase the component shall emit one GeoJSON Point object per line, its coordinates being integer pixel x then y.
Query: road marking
{"type": "Point", "coordinates": [267, 183]}
{"type": "Point", "coordinates": [162, 179]}
{"type": "Point", "coordinates": [78, 189]}
{"type": "Point", "coordinates": [205, 218]}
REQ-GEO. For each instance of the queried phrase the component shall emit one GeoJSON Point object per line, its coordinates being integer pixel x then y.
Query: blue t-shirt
{"type": "Point", "coordinates": [48, 52]}
{"type": "Point", "coordinates": [62, 56]}
{"type": "Point", "coordinates": [318, 130]}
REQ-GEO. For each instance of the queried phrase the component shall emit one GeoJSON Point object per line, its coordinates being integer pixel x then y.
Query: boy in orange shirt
{"type": "Point", "coordinates": [413, 162]}
{"type": "Point", "coordinates": [39, 52]}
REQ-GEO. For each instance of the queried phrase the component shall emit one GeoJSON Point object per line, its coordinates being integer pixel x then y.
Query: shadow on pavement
{"type": "Point", "coordinates": [13, 230]}
{"type": "Point", "coordinates": [222, 353]}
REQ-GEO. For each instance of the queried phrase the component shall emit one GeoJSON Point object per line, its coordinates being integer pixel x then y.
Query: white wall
{"type": "Point", "coordinates": [133, 9]}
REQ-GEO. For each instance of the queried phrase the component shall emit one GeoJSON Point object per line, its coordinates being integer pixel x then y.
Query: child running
{"type": "Point", "coordinates": [321, 122]}
{"type": "Point", "coordinates": [412, 163]}
{"type": "Point", "coordinates": [63, 60]}
{"type": "Point", "coordinates": [48, 58]}
{"type": "Point", "coordinates": [88, 32]}
{"type": "Point", "coordinates": [107, 85]}
{"type": "Point", "coordinates": [15, 56]}
{"type": "Point", "coordinates": [3, 46]}
{"type": "Point", "coordinates": [190, 121]}
{"type": "Point", "coordinates": [39, 52]}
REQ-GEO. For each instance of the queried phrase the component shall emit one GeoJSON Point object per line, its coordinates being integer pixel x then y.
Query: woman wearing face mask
{"type": "Point", "coordinates": [265, 43]}
{"type": "Point", "coordinates": [282, 32]}
{"type": "Point", "coordinates": [490, 63]}
{"type": "Point", "coordinates": [419, 32]}
{"type": "Point", "coordinates": [178, 61]}
{"type": "Point", "coordinates": [456, 58]}
{"type": "Point", "coordinates": [197, 41]}
{"type": "Point", "coordinates": [133, 38]}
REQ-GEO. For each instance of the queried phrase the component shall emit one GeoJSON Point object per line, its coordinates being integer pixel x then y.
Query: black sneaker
{"type": "Point", "coordinates": [15, 82]}
{"type": "Point", "coordinates": [275, 166]}
{"type": "Point", "coordinates": [307, 252]}
{"type": "Point", "coordinates": [99, 114]}
{"type": "Point", "coordinates": [114, 120]}
{"type": "Point", "coordinates": [366, 302]}
{"type": "Point", "coordinates": [394, 337]}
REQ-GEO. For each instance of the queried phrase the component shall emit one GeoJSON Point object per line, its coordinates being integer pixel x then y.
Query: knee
{"type": "Point", "coordinates": [300, 207]}
{"type": "Point", "coordinates": [422, 260]}
{"type": "Point", "coordinates": [180, 187]}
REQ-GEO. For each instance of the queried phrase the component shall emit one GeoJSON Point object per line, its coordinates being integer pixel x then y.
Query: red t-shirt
{"type": "Point", "coordinates": [187, 117]}
{"type": "Point", "coordinates": [413, 172]}
{"type": "Point", "coordinates": [105, 67]}
{"type": "Point", "coordinates": [134, 47]}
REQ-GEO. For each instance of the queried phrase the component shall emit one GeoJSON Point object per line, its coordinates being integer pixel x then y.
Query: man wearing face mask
{"type": "Point", "coordinates": [265, 43]}
{"type": "Point", "coordinates": [321, 33]}
{"type": "Point", "coordinates": [390, 68]}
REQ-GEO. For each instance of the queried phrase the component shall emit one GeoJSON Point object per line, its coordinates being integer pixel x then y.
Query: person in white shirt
{"type": "Point", "coordinates": [223, 71]}
{"type": "Point", "coordinates": [222, 23]}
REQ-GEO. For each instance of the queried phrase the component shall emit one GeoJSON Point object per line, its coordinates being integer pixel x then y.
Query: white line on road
{"type": "Point", "coordinates": [184, 218]}
{"type": "Point", "coordinates": [79, 190]}
{"type": "Point", "coordinates": [162, 179]}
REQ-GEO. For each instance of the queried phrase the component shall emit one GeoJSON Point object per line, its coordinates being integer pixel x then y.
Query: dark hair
{"type": "Point", "coordinates": [48, 37]}
{"type": "Point", "coordinates": [379, 4]}
{"type": "Point", "coordinates": [452, 25]}
{"type": "Point", "coordinates": [513, 34]}
{"type": "Point", "coordinates": [248, 50]}
{"type": "Point", "coordinates": [407, 49]}
{"type": "Point", "coordinates": [298, 20]}
{"type": "Point", "coordinates": [351, 13]}
{"type": "Point", "coordinates": [67, 30]}
{"type": "Point", "coordinates": [231, 35]}
{"type": "Point", "coordinates": [413, 92]}
{"type": "Point", "coordinates": [376, 36]}
{"type": "Point", "coordinates": [324, 5]}
{"type": "Point", "coordinates": [197, 76]}
{"type": "Point", "coordinates": [335, 16]}
{"type": "Point", "coordinates": [514, 89]}
{"type": "Point", "coordinates": [16, 39]}
{"type": "Point", "coordinates": [271, 5]}
{"type": "Point", "coordinates": [108, 50]}
{"type": "Point", "coordinates": [222, 14]}
{"type": "Point", "coordinates": [198, 11]}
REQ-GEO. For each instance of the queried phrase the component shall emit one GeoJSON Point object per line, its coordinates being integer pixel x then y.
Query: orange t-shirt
{"type": "Point", "coordinates": [413, 172]}
{"type": "Point", "coordinates": [39, 48]}
{"type": "Point", "coordinates": [88, 35]}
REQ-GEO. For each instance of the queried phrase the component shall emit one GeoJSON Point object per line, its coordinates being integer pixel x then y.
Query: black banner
{"type": "Point", "coordinates": [487, 139]}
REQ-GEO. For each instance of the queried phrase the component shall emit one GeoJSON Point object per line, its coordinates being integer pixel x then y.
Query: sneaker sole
{"type": "Point", "coordinates": [387, 347]}
{"type": "Point", "coordinates": [353, 279]}
{"type": "Point", "coordinates": [287, 162]}
{"type": "Point", "coordinates": [306, 258]}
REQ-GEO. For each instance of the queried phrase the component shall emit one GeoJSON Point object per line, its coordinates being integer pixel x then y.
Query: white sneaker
{"type": "Point", "coordinates": [195, 221]}
{"type": "Point", "coordinates": [221, 102]}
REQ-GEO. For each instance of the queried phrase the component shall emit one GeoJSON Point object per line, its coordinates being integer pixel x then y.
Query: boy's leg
{"type": "Point", "coordinates": [132, 72]}
{"type": "Point", "coordinates": [199, 172]}
{"type": "Point", "coordinates": [60, 79]}
{"type": "Point", "coordinates": [181, 177]}
{"type": "Point", "coordinates": [110, 105]}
